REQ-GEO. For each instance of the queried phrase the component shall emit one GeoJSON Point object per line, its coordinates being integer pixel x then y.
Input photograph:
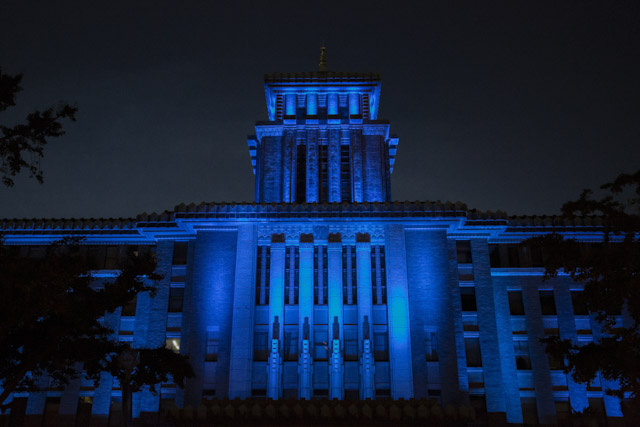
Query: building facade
{"type": "Point", "coordinates": [326, 288]}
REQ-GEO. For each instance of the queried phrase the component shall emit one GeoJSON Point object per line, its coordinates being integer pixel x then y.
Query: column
{"type": "Point", "coordinates": [567, 327]}
{"type": "Point", "coordinates": [276, 316]}
{"type": "Point", "coordinates": [398, 312]}
{"type": "Point", "coordinates": [243, 312]}
{"type": "Point", "coordinates": [305, 324]}
{"type": "Point", "coordinates": [102, 393]}
{"type": "Point", "coordinates": [153, 317]}
{"type": "Point", "coordinates": [313, 180]}
{"type": "Point", "coordinates": [334, 165]}
{"type": "Point", "coordinates": [365, 315]}
{"type": "Point", "coordinates": [537, 354]}
{"type": "Point", "coordinates": [354, 103]}
{"type": "Point", "coordinates": [334, 283]}
{"type": "Point", "coordinates": [312, 104]}
{"type": "Point", "coordinates": [496, 340]}
{"type": "Point", "coordinates": [211, 306]}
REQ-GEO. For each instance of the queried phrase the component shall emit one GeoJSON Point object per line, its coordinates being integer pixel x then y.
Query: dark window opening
{"type": "Point", "coordinates": [176, 300]}
{"type": "Point", "coordinates": [468, 298]}
{"type": "Point", "coordinates": [547, 303]}
{"type": "Point", "coordinates": [180, 250]}
{"type": "Point", "coordinates": [516, 305]}
{"type": "Point", "coordinates": [472, 351]}
{"type": "Point", "coordinates": [301, 174]}
{"type": "Point", "coordinates": [579, 303]}
{"type": "Point", "coordinates": [463, 250]}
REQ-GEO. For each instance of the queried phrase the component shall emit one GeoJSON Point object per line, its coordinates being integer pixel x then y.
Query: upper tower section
{"type": "Point", "coordinates": [323, 142]}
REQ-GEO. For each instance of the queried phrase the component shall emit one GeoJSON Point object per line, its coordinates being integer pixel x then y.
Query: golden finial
{"type": "Point", "coordinates": [322, 67]}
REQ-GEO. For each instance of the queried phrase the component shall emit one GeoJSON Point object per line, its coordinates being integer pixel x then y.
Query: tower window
{"type": "Point", "coordinates": [180, 250]}
{"type": "Point", "coordinates": [472, 350]}
{"type": "Point", "coordinates": [301, 174]}
{"type": "Point", "coordinates": [463, 250]}
{"type": "Point", "coordinates": [521, 351]}
{"type": "Point", "coordinates": [213, 341]}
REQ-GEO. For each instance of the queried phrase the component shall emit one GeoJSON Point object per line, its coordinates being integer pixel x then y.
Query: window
{"type": "Point", "coordinates": [378, 275]}
{"type": "Point", "coordinates": [291, 275]}
{"type": "Point", "coordinates": [468, 298]}
{"type": "Point", "coordinates": [301, 174]}
{"type": "Point", "coordinates": [260, 345]}
{"type": "Point", "coordinates": [463, 250]}
{"type": "Point", "coordinates": [262, 275]}
{"type": "Point", "coordinates": [521, 351]}
{"type": "Point", "coordinates": [472, 350]}
{"type": "Point", "coordinates": [213, 341]}
{"type": "Point", "coordinates": [321, 275]}
{"type": "Point", "coordinates": [180, 250]}
{"type": "Point", "coordinates": [173, 344]}
{"type": "Point", "coordinates": [349, 279]}
{"type": "Point", "coordinates": [345, 173]}
{"type": "Point", "coordinates": [516, 305]}
{"type": "Point", "coordinates": [291, 343]}
{"type": "Point", "coordinates": [431, 346]}
{"type": "Point", "coordinates": [112, 258]}
{"type": "Point", "coordinates": [579, 303]}
{"type": "Point", "coordinates": [176, 300]}
{"type": "Point", "coordinates": [380, 346]}
{"type": "Point", "coordinates": [129, 309]}
{"type": "Point", "coordinates": [321, 343]}
{"type": "Point", "coordinates": [350, 342]}
{"type": "Point", "coordinates": [547, 303]}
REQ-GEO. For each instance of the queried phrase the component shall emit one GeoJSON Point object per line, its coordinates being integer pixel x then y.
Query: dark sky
{"type": "Point", "coordinates": [502, 105]}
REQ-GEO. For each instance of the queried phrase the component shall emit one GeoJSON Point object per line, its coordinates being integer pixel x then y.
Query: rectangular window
{"type": "Point", "coordinates": [291, 343]}
{"type": "Point", "coordinates": [516, 305]}
{"type": "Point", "coordinates": [378, 275]}
{"type": "Point", "coordinates": [547, 303]}
{"type": "Point", "coordinates": [173, 344]}
{"type": "Point", "coordinates": [494, 256]}
{"type": "Point", "coordinates": [350, 343]}
{"type": "Point", "coordinates": [380, 346]}
{"type": "Point", "coordinates": [320, 343]}
{"type": "Point", "coordinates": [129, 309]}
{"type": "Point", "coordinates": [472, 350]}
{"type": "Point", "coordinates": [291, 275]}
{"type": "Point", "coordinates": [431, 346]}
{"type": "Point", "coordinates": [349, 279]}
{"type": "Point", "coordinates": [180, 250]}
{"type": "Point", "coordinates": [176, 300]}
{"type": "Point", "coordinates": [301, 174]}
{"type": "Point", "coordinates": [263, 273]}
{"type": "Point", "coordinates": [320, 273]}
{"type": "Point", "coordinates": [112, 260]}
{"type": "Point", "coordinates": [213, 341]}
{"type": "Point", "coordinates": [579, 303]}
{"type": "Point", "coordinates": [260, 345]}
{"type": "Point", "coordinates": [324, 171]}
{"type": "Point", "coordinates": [345, 173]}
{"type": "Point", "coordinates": [463, 250]}
{"type": "Point", "coordinates": [521, 351]}
{"type": "Point", "coordinates": [468, 298]}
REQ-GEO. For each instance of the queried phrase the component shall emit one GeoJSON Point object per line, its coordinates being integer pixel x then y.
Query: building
{"type": "Point", "coordinates": [326, 288]}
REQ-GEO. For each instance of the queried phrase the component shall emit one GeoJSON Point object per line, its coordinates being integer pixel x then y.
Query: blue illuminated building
{"type": "Point", "coordinates": [326, 288]}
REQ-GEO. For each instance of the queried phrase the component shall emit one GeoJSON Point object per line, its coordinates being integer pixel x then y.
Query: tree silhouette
{"type": "Point", "coordinates": [22, 145]}
{"type": "Point", "coordinates": [50, 319]}
{"type": "Point", "coordinates": [610, 271]}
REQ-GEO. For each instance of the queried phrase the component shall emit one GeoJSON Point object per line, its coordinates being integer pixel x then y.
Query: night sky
{"type": "Point", "coordinates": [502, 105]}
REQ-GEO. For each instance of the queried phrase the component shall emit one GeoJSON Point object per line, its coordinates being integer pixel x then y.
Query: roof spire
{"type": "Point", "coordinates": [322, 66]}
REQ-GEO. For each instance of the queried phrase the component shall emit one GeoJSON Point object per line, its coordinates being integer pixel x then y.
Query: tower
{"type": "Point", "coordinates": [323, 141]}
